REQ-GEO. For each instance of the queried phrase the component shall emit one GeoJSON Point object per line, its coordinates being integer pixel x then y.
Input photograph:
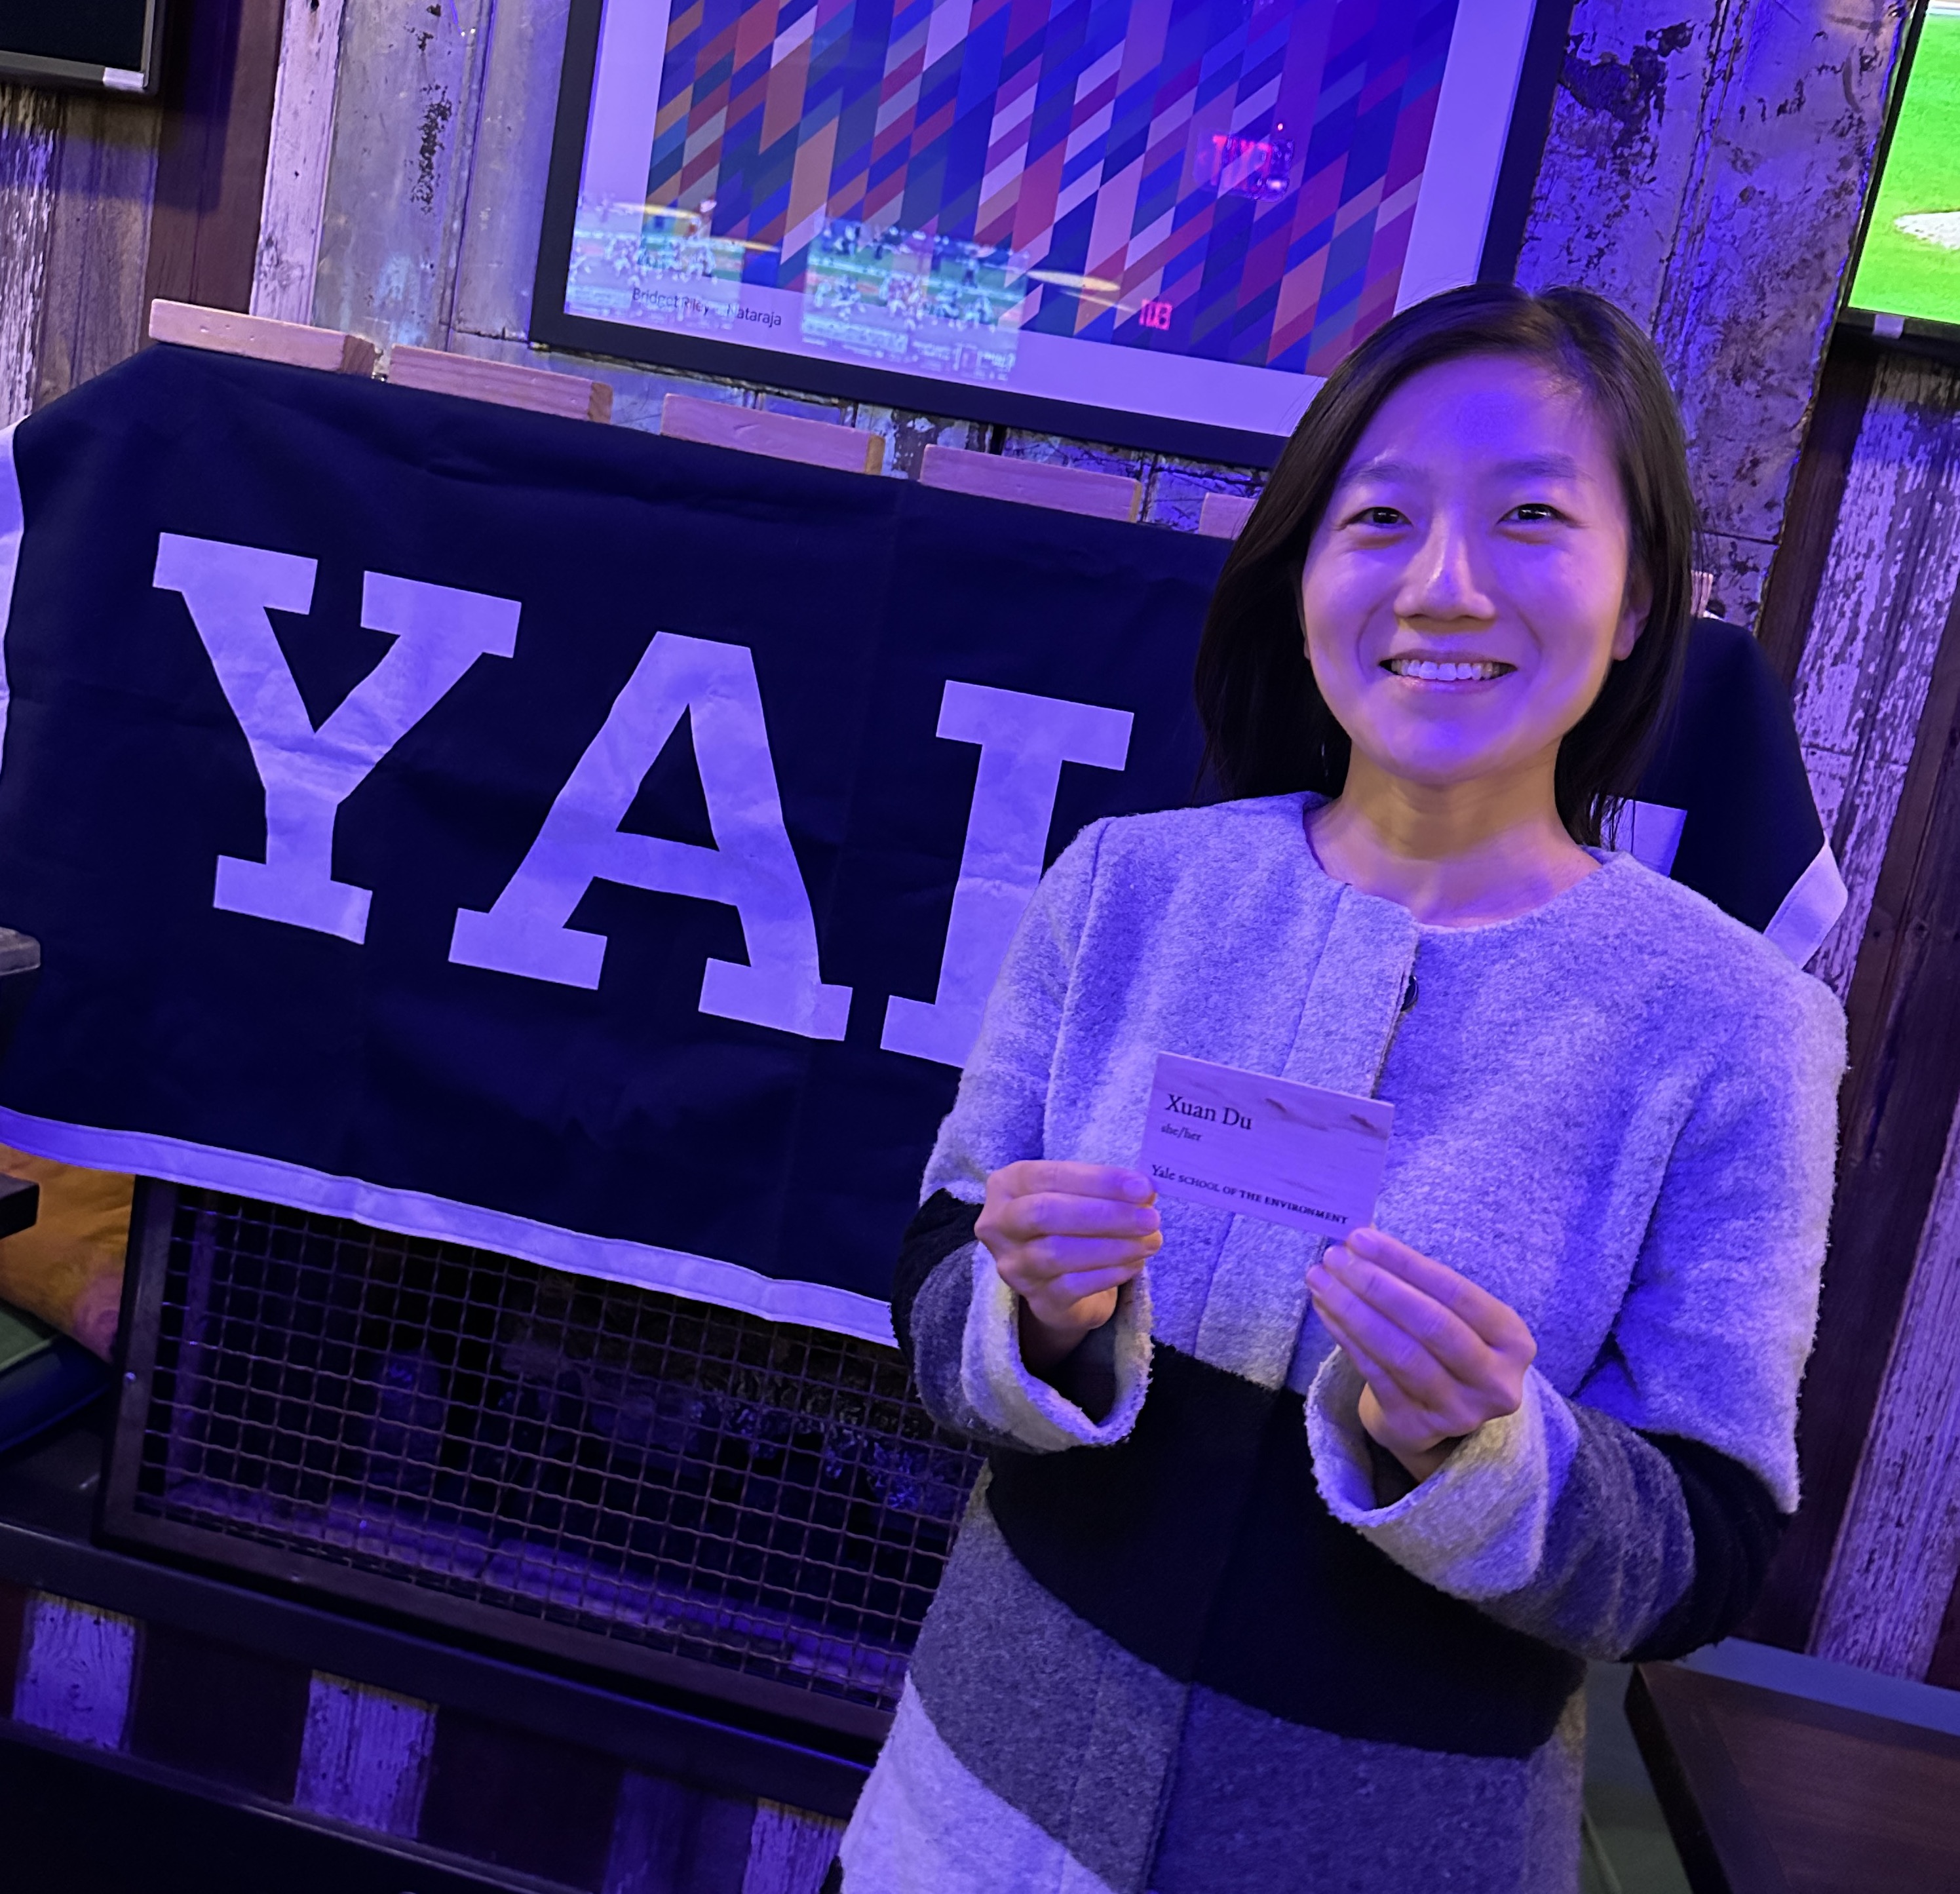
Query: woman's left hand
{"type": "Point", "coordinates": [1439, 1355]}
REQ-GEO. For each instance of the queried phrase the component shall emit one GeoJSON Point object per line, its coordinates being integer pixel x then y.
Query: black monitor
{"type": "Point", "coordinates": [1907, 281]}
{"type": "Point", "coordinates": [112, 44]}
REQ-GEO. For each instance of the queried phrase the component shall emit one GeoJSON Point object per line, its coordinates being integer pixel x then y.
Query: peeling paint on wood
{"type": "Point", "coordinates": [1706, 163]}
{"type": "Point", "coordinates": [296, 162]}
{"type": "Point", "coordinates": [1898, 1550]}
{"type": "Point", "coordinates": [907, 436]}
{"type": "Point", "coordinates": [1624, 126]}
{"type": "Point", "coordinates": [1179, 488]}
{"type": "Point", "coordinates": [76, 1664]}
{"type": "Point", "coordinates": [28, 124]}
{"type": "Point", "coordinates": [1790, 130]}
{"type": "Point", "coordinates": [1738, 571]}
{"type": "Point", "coordinates": [790, 1850]}
{"type": "Point", "coordinates": [1056, 451]}
{"type": "Point", "coordinates": [1882, 608]}
{"type": "Point", "coordinates": [365, 1758]}
{"type": "Point", "coordinates": [405, 120]}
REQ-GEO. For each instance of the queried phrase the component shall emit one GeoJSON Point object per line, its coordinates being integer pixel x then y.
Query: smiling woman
{"type": "Point", "coordinates": [1290, 1553]}
{"type": "Point", "coordinates": [1580, 407]}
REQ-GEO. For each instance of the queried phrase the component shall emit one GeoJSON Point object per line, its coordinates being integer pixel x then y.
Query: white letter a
{"type": "Point", "coordinates": [752, 867]}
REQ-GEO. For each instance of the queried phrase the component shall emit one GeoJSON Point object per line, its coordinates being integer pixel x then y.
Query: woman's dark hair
{"type": "Point", "coordinates": [1267, 728]}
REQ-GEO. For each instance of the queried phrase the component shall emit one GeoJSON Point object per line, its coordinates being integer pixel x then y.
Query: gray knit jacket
{"type": "Point", "coordinates": [1191, 1637]}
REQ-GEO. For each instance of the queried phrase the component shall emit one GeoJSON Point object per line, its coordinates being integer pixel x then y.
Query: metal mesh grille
{"type": "Point", "coordinates": [765, 1496]}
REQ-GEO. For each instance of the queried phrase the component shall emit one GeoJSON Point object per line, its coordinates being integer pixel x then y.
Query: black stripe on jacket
{"type": "Point", "coordinates": [1201, 1544]}
{"type": "Point", "coordinates": [1737, 1528]}
{"type": "Point", "coordinates": [941, 1225]}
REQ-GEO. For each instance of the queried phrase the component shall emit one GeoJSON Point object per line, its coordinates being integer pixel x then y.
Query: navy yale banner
{"type": "Point", "coordinates": [595, 847]}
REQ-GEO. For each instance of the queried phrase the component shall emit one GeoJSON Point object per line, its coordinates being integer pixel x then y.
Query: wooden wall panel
{"type": "Point", "coordinates": [299, 147]}
{"type": "Point", "coordinates": [404, 130]}
{"type": "Point", "coordinates": [1898, 1550]}
{"type": "Point", "coordinates": [1625, 122]}
{"type": "Point", "coordinates": [499, 253]}
{"type": "Point", "coordinates": [1880, 610]}
{"type": "Point", "coordinates": [1688, 143]}
{"type": "Point", "coordinates": [104, 177]}
{"type": "Point", "coordinates": [1899, 1104]}
{"type": "Point", "coordinates": [1868, 1562]}
{"type": "Point", "coordinates": [29, 124]}
{"type": "Point", "coordinates": [1816, 498]}
{"type": "Point", "coordinates": [221, 63]}
{"type": "Point", "coordinates": [1789, 128]}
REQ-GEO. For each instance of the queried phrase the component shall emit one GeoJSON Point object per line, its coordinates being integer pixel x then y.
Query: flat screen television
{"type": "Point", "coordinates": [112, 44]}
{"type": "Point", "coordinates": [1908, 277]}
{"type": "Point", "coordinates": [1158, 223]}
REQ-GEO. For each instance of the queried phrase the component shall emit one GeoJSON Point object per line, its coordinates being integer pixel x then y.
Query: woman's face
{"type": "Point", "coordinates": [1468, 587]}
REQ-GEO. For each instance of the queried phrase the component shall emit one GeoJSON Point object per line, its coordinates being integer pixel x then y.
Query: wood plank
{"type": "Point", "coordinates": [506, 384]}
{"type": "Point", "coordinates": [29, 122]}
{"type": "Point", "coordinates": [92, 307]}
{"type": "Point", "coordinates": [1106, 496]}
{"type": "Point", "coordinates": [1789, 132]}
{"type": "Point", "coordinates": [365, 1756]}
{"type": "Point", "coordinates": [638, 392]}
{"type": "Point", "coordinates": [1899, 1101]}
{"type": "Point", "coordinates": [220, 64]}
{"type": "Point", "coordinates": [821, 443]}
{"type": "Point", "coordinates": [1223, 516]}
{"type": "Point", "coordinates": [790, 1850]}
{"type": "Point", "coordinates": [404, 130]}
{"type": "Point", "coordinates": [1894, 562]}
{"type": "Point", "coordinates": [1606, 208]}
{"type": "Point", "coordinates": [1688, 138]}
{"type": "Point", "coordinates": [76, 1665]}
{"type": "Point", "coordinates": [1816, 497]}
{"type": "Point", "coordinates": [295, 344]}
{"type": "Point", "coordinates": [299, 146]}
{"type": "Point", "coordinates": [503, 209]}
{"type": "Point", "coordinates": [1736, 570]}
{"type": "Point", "coordinates": [1897, 1554]}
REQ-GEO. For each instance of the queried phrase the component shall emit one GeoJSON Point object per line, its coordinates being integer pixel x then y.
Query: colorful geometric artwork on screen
{"type": "Point", "coordinates": [933, 178]}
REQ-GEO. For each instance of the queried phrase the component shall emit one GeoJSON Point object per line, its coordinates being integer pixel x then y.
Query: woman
{"type": "Point", "coordinates": [1287, 1563]}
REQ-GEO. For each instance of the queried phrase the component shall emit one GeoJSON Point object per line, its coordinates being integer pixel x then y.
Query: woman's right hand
{"type": "Point", "coordinates": [1065, 1237]}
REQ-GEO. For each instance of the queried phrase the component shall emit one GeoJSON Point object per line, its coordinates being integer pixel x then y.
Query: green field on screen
{"type": "Point", "coordinates": [1911, 266]}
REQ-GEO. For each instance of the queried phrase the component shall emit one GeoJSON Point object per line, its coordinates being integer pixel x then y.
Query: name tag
{"type": "Point", "coordinates": [1266, 1147]}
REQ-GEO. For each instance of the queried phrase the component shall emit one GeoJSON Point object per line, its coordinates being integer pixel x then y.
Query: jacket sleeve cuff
{"type": "Point", "coordinates": [999, 1387]}
{"type": "Point", "coordinates": [1476, 1527]}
